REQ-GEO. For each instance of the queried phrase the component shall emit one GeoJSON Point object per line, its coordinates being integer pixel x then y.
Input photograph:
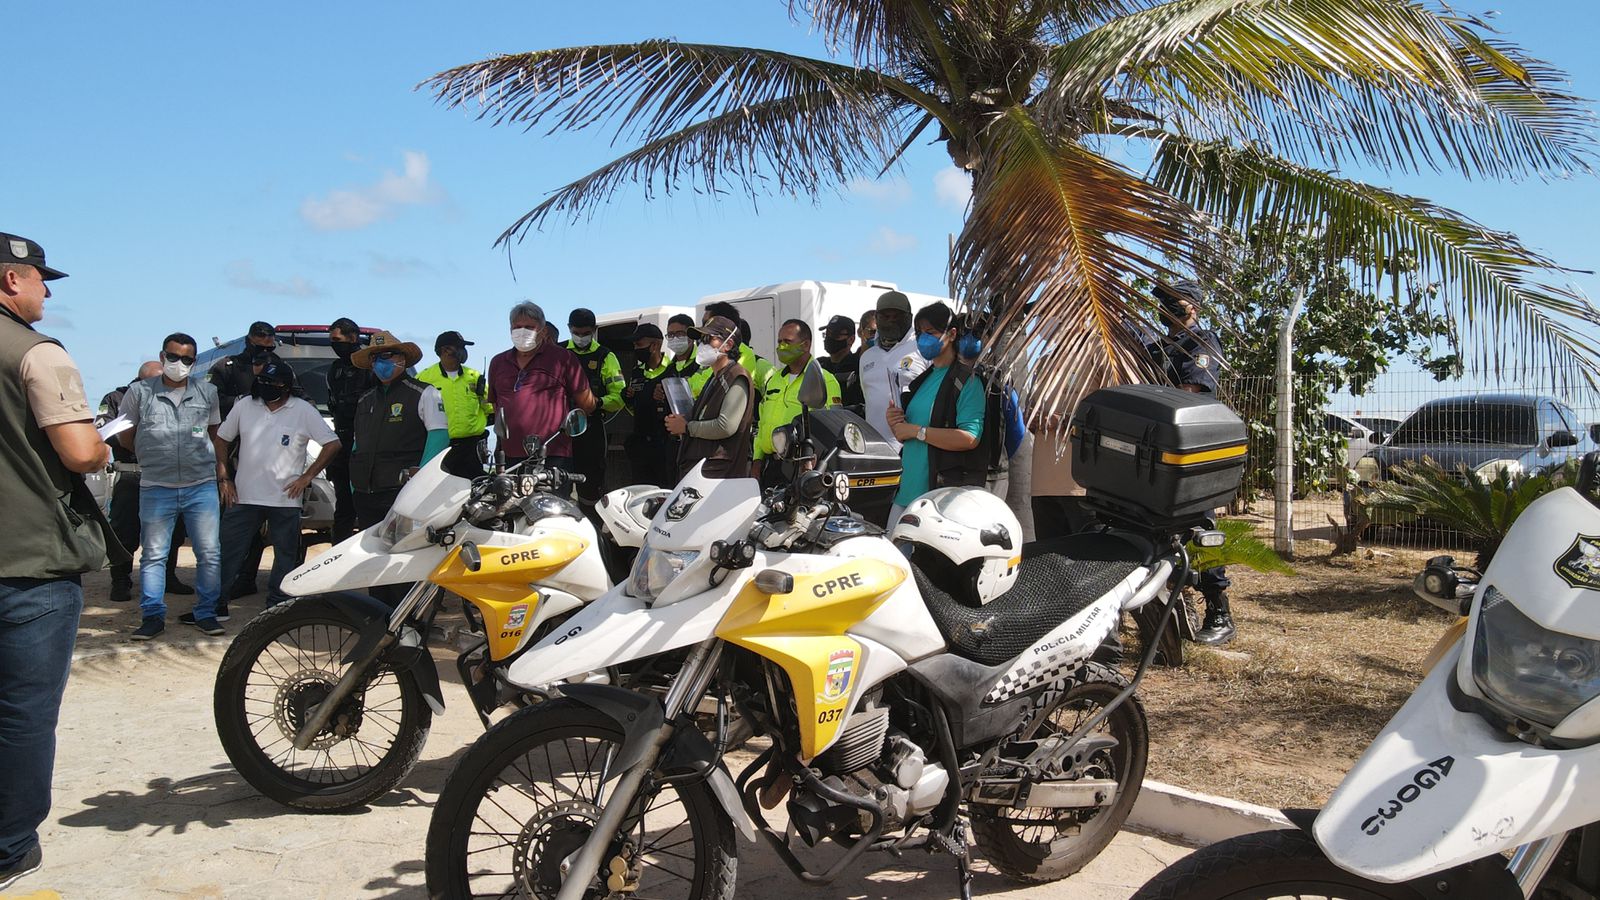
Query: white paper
{"type": "Point", "coordinates": [114, 427]}
{"type": "Point", "coordinates": [679, 397]}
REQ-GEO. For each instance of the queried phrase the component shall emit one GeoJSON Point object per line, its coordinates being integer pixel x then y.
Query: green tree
{"type": "Point", "coordinates": [1245, 104]}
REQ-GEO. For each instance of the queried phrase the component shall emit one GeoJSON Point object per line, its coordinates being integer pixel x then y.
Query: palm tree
{"type": "Point", "coordinates": [1247, 108]}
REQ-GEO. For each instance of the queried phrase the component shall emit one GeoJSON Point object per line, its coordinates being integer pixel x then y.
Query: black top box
{"type": "Point", "coordinates": [1157, 455]}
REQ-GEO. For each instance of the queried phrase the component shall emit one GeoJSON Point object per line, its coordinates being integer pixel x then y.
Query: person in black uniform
{"type": "Point", "coordinates": [1191, 355]}
{"type": "Point", "coordinates": [604, 372]}
{"type": "Point", "coordinates": [125, 500]}
{"type": "Point", "coordinates": [647, 445]}
{"type": "Point", "coordinates": [346, 385]}
{"type": "Point", "coordinates": [233, 378]}
{"type": "Point", "coordinates": [844, 363]}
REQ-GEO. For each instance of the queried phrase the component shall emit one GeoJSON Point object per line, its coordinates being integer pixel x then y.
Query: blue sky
{"type": "Point", "coordinates": [199, 166]}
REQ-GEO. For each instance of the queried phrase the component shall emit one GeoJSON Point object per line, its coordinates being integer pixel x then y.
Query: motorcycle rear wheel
{"type": "Point", "coordinates": [275, 672]}
{"type": "Point", "coordinates": [1264, 865]}
{"type": "Point", "coordinates": [1039, 845]}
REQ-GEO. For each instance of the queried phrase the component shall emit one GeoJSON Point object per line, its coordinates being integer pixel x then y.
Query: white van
{"type": "Point", "coordinates": [766, 308]}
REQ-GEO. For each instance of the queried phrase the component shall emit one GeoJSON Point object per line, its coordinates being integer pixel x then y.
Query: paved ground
{"type": "Point", "coordinates": [147, 805]}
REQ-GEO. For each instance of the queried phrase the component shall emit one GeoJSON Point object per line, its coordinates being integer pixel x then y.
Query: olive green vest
{"type": "Point", "coordinates": [58, 529]}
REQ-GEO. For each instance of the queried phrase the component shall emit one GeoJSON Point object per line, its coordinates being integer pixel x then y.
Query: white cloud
{"type": "Point", "coordinates": [892, 192]}
{"type": "Point", "coordinates": [952, 187]}
{"type": "Point", "coordinates": [242, 274]}
{"type": "Point", "coordinates": [346, 209]}
{"type": "Point", "coordinates": [398, 266]}
{"type": "Point", "coordinates": [886, 241]}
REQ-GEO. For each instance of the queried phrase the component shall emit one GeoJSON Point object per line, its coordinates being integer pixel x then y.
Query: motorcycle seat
{"type": "Point", "coordinates": [1052, 585]}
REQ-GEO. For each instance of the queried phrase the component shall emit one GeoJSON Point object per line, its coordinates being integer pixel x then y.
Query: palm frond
{"type": "Point", "coordinates": [1388, 83]}
{"type": "Point", "coordinates": [1492, 287]}
{"type": "Point", "coordinates": [1482, 509]}
{"type": "Point", "coordinates": [1240, 547]}
{"type": "Point", "coordinates": [1055, 239]}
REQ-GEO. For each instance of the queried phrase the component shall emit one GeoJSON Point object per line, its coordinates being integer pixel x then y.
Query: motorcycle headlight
{"type": "Point", "coordinates": [397, 532]}
{"type": "Point", "coordinates": [1528, 670]}
{"type": "Point", "coordinates": [1492, 469]}
{"type": "Point", "coordinates": [655, 569]}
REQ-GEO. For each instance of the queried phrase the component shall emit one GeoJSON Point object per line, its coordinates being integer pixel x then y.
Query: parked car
{"type": "Point", "coordinates": [1486, 434]}
{"type": "Point", "coordinates": [1359, 438]}
{"type": "Point", "coordinates": [1379, 424]}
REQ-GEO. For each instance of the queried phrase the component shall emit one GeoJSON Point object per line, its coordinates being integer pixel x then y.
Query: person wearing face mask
{"type": "Point", "coordinates": [837, 339]}
{"type": "Point", "coordinates": [400, 425]}
{"type": "Point", "coordinates": [346, 385]}
{"type": "Point", "coordinates": [174, 419]}
{"type": "Point", "coordinates": [466, 396]}
{"type": "Point", "coordinates": [647, 445]}
{"type": "Point", "coordinates": [125, 498]}
{"type": "Point", "coordinates": [604, 372]}
{"type": "Point", "coordinates": [890, 365]}
{"type": "Point", "coordinates": [717, 430]}
{"type": "Point", "coordinates": [233, 376]}
{"type": "Point", "coordinates": [272, 428]}
{"type": "Point", "coordinates": [681, 348]}
{"type": "Point", "coordinates": [867, 331]}
{"type": "Point", "coordinates": [779, 396]}
{"type": "Point", "coordinates": [752, 362]}
{"type": "Point", "coordinates": [533, 385]}
{"type": "Point", "coordinates": [941, 423]}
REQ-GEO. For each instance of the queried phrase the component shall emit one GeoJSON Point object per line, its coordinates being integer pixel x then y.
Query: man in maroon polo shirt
{"type": "Point", "coordinates": [534, 384]}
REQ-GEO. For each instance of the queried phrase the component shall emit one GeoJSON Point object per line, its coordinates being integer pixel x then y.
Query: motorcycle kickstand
{"type": "Point", "coordinates": [955, 844]}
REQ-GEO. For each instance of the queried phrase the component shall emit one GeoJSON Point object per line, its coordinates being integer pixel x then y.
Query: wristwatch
{"type": "Point", "coordinates": [922, 433]}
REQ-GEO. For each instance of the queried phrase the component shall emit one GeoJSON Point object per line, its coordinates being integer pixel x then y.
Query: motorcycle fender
{"type": "Point", "coordinates": [1440, 788]}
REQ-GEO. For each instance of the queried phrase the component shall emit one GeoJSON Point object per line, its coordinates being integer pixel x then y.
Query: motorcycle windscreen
{"type": "Point", "coordinates": [1440, 787]}
{"type": "Point", "coordinates": [433, 496]}
{"type": "Point", "coordinates": [701, 510]}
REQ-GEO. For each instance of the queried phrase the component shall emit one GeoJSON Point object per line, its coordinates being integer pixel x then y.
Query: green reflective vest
{"type": "Point", "coordinates": [466, 399]}
{"type": "Point", "coordinates": [780, 404]}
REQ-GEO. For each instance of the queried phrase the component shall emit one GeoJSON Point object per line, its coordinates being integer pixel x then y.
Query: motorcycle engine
{"type": "Point", "coordinates": [875, 764]}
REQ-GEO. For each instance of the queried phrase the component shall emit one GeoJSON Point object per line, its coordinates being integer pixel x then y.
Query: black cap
{"type": "Point", "coordinates": [450, 339]}
{"type": "Point", "coordinates": [262, 329]}
{"type": "Point", "coordinates": [276, 371]}
{"type": "Point", "coordinates": [840, 323]}
{"type": "Point", "coordinates": [647, 331]}
{"type": "Point", "coordinates": [1171, 294]}
{"type": "Point", "coordinates": [19, 251]}
{"type": "Point", "coordinates": [581, 318]}
{"type": "Point", "coordinates": [894, 300]}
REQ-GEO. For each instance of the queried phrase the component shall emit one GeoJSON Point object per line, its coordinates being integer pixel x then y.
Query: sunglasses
{"type": "Point", "coordinates": [173, 357]}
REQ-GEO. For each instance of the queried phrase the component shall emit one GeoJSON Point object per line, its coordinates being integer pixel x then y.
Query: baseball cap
{"type": "Point", "coordinates": [20, 251]}
{"type": "Point", "coordinates": [894, 300]}
{"type": "Point", "coordinates": [718, 327]}
{"type": "Point", "coordinates": [451, 339]}
{"type": "Point", "coordinates": [581, 318]}
{"type": "Point", "coordinates": [1183, 290]}
{"type": "Point", "coordinates": [276, 371]}
{"type": "Point", "coordinates": [840, 324]}
{"type": "Point", "coordinates": [262, 329]}
{"type": "Point", "coordinates": [647, 331]}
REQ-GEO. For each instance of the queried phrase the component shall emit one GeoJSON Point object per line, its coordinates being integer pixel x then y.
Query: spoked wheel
{"type": "Point", "coordinates": [282, 665]}
{"type": "Point", "coordinates": [1043, 844]}
{"type": "Point", "coordinates": [525, 797]}
{"type": "Point", "coordinates": [1262, 866]}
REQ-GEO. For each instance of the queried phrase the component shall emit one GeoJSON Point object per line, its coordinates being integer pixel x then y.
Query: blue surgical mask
{"type": "Point", "coordinates": [969, 345]}
{"type": "Point", "coordinates": [929, 345]}
{"type": "Point", "coordinates": [871, 342]}
{"type": "Point", "coordinates": [383, 368]}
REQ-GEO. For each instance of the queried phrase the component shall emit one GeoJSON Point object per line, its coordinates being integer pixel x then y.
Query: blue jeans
{"type": "Point", "coordinates": [38, 627]}
{"type": "Point", "coordinates": [239, 525]}
{"type": "Point", "coordinates": [159, 508]}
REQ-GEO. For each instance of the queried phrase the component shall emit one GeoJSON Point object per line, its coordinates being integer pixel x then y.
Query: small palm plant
{"type": "Point", "coordinates": [1240, 547]}
{"type": "Point", "coordinates": [1480, 509]}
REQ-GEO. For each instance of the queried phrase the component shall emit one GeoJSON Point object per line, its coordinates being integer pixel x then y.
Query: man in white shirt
{"type": "Point", "coordinates": [889, 366]}
{"type": "Point", "coordinates": [272, 428]}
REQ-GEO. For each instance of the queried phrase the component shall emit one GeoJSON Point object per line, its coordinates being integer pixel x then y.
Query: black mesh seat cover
{"type": "Point", "coordinates": [1056, 584]}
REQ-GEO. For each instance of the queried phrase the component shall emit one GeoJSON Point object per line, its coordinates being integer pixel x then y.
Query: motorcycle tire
{"type": "Point", "coordinates": [255, 719]}
{"type": "Point", "coordinates": [1266, 864]}
{"type": "Point", "coordinates": [496, 777]}
{"type": "Point", "coordinates": [1055, 857]}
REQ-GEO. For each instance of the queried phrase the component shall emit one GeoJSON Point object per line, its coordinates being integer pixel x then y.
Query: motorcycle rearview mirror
{"type": "Point", "coordinates": [470, 557]}
{"type": "Point", "coordinates": [500, 438]}
{"type": "Point", "coordinates": [576, 423]}
{"type": "Point", "coordinates": [813, 392]}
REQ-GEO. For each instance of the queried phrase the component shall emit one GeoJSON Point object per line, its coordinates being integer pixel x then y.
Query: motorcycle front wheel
{"type": "Point", "coordinates": [279, 668]}
{"type": "Point", "coordinates": [1042, 844]}
{"type": "Point", "coordinates": [1268, 864]}
{"type": "Point", "coordinates": [525, 797]}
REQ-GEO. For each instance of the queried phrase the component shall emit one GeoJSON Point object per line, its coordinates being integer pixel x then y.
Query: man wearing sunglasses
{"type": "Point", "coordinates": [175, 419]}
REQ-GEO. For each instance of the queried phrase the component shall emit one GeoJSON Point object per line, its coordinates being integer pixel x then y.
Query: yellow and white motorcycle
{"type": "Point", "coordinates": [323, 702]}
{"type": "Point", "coordinates": [907, 684]}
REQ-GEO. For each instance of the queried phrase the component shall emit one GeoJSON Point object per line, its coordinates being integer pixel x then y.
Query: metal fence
{"type": "Point", "coordinates": [1521, 424]}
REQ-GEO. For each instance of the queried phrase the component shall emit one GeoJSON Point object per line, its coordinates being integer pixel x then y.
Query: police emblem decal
{"type": "Point", "coordinates": [1203, 361]}
{"type": "Point", "coordinates": [681, 504]}
{"type": "Point", "coordinates": [1580, 565]}
{"type": "Point", "coordinates": [841, 665]}
{"type": "Point", "coordinates": [19, 249]}
{"type": "Point", "coordinates": [283, 439]}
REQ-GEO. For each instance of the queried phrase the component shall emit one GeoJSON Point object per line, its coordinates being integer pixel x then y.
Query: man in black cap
{"type": "Point", "coordinates": [604, 372]}
{"type": "Point", "coordinates": [465, 393]}
{"type": "Point", "coordinates": [233, 378]}
{"type": "Point", "coordinates": [837, 339]}
{"type": "Point", "coordinates": [347, 383]}
{"type": "Point", "coordinates": [47, 443]}
{"type": "Point", "coordinates": [647, 446]}
{"type": "Point", "coordinates": [1191, 355]}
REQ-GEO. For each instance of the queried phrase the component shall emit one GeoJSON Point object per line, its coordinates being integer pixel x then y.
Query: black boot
{"type": "Point", "coordinates": [121, 585]}
{"type": "Point", "coordinates": [1217, 629]}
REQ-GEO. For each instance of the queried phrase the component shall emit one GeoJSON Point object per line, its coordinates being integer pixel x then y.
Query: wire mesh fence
{"type": "Point", "coordinates": [1514, 426]}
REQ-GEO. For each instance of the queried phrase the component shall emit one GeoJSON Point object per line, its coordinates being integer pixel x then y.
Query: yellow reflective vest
{"type": "Point", "coordinates": [466, 399]}
{"type": "Point", "coordinates": [780, 404]}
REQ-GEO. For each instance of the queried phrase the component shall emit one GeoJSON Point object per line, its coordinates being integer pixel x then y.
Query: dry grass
{"type": "Point", "coordinates": [1321, 662]}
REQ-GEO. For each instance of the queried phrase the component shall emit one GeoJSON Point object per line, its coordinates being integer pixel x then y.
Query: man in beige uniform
{"type": "Point", "coordinates": [47, 442]}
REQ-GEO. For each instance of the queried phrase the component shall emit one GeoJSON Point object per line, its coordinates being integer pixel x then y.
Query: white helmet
{"type": "Point", "coordinates": [965, 539]}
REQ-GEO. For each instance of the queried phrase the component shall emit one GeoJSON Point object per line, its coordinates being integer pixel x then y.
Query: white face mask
{"type": "Point", "coordinates": [175, 370]}
{"type": "Point", "coordinates": [524, 339]}
{"type": "Point", "coordinates": [705, 354]}
{"type": "Point", "coordinates": [582, 341]}
{"type": "Point", "coordinates": [678, 344]}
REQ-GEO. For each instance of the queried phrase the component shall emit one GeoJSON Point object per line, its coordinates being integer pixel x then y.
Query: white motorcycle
{"type": "Point", "coordinates": [323, 702]}
{"type": "Point", "coordinates": [1497, 752]}
{"type": "Point", "coordinates": [903, 693]}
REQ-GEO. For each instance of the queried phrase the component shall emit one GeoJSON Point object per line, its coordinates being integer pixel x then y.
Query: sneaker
{"type": "Point", "coordinates": [208, 625]}
{"type": "Point", "coordinates": [150, 627]}
{"type": "Point", "coordinates": [222, 611]}
{"type": "Point", "coordinates": [121, 591]}
{"type": "Point", "coordinates": [27, 865]}
{"type": "Point", "coordinates": [174, 586]}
